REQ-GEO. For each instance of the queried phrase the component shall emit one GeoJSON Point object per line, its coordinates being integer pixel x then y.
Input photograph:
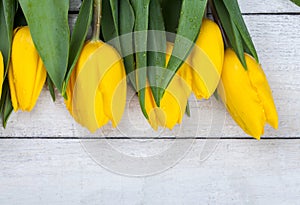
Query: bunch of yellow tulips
{"type": "Point", "coordinates": [95, 89]}
{"type": "Point", "coordinates": [245, 93]}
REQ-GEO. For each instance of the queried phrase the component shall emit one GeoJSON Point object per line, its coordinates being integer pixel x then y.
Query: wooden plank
{"type": "Point", "coordinates": [277, 42]}
{"type": "Point", "coordinates": [75, 5]}
{"type": "Point", "coordinates": [237, 172]}
{"type": "Point", "coordinates": [266, 6]}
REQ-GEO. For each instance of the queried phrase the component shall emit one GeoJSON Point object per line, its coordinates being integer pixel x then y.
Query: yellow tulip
{"type": "Point", "coordinates": [1, 73]}
{"type": "Point", "coordinates": [97, 87]}
{"type": "Point", "coordinates": [172, 105]}
{"type": "Point", "coordinates": [247, 95]}
{"type": "Point", "coordinates": [205, 61]}
{"type": "Point", "coordinates": [26, 73]}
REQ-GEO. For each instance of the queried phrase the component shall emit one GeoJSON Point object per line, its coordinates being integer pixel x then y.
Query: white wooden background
{"type": "Point", "coordinates": [42, 160]}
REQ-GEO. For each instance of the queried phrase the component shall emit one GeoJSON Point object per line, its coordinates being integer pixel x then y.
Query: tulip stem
{"type": "Point", "coordinates": [97, 19]}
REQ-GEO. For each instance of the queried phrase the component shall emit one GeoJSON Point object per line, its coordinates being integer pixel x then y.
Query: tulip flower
{"type": "Point", "coordinates": [200, 73]}
{"type": "Point", "coordinates": [1, 73]}
{"type": "Point", "coordinates": [26, 73]}
{"type": "Point", "coordinates": [172, 105]}
{"type": "Point", "coordinates": [247, 95]}
{"type": "Point", "coordinates": [205, 61]}
{"type": "Point", "coordinates": [96, 91]}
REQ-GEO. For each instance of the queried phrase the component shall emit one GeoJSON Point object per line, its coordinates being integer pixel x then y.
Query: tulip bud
{"type": "Point", "coordinates": [97, 87]}
{"type": "Point", "coordinates": [247, 95]}
{"type": "Point", "coordinates": [205, 61]}
{"type": "Point", "coordinates": [26, 73]}
{"type": "Point", "coordinates": [1, 73]}
{"type": "Point", "coordinates": [173, 103]}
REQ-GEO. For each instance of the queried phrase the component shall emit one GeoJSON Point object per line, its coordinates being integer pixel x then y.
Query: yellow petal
{"type": "Point", "coordinates": [205, 78]}
{"type": "Point", "coordinates": [23, 70]}
{"type": "Point", "coordinates": [173, 104]}
{"type": "Point", "coordinates": [205, 61]}
{"type": "Point", "coordinates": [40, 79]}
{"type": "Point", "coordinates": [113, 86]}
{"type": "Point", "coordinates": [88, 49]}
{"type": "Point", "coordinates": [259, 80]}
{"type": "Point", "coordinates": [174, 101]}
{"type": "Point", "coordinates": [97, 87]}
{"type": "Point", "coordinates": [211, 42]}
{"type": "Point", "coordinates": [69, 92]}
{"type": "Point", "coordinates": [13, 94]}
{"type": "Point", "coordinates": [245, 93]}
{"type": "Point", "coordinates": [99, 107]}
{"type": "Point", "coordinates": [150, 106]}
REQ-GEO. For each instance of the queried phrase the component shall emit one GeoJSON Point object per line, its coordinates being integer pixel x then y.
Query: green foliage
{"type": "Point", "coordinates": [191, 16]}
{"type": "Point", "coordinates": [230, 16]}
{"type": "Point", "coordinates": [297, 2]}
{"type": "Point", "coordinates": [118, 20]}
{"type": "Point", "coordinates": [171, 13]}
{"type": "Point", "coordinates": [51, 88]}
{"type": "Point", "coordinates": [237, 18]}
{"type": "Point", "coordinates": [141, 9]}
{"type": "Point", "coordinates": [126, 26]}
{"type": "Point", "coordinates": [7, 14]}
{"type": "Point", "coordinates": [48, 23]}
{"type": "Point", "coordinates": [78, 37]}
{"type": "Point", "coordinates": [157, 44]}
{"type": "Point", "coordinates": [143, 51]}
{"type": "Point", "coordinates": [6, 105]}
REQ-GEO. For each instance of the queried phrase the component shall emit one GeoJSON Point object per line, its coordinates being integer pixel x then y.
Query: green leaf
{"type": "Point", "coordinates": [297, 2]}
{"type": "Point", "coordinates": [107, 22]}
{"type": "Point", "coordinates": [119, 22]}
{"type": "Point", "coordinates": [114, 5]}
{"type": "Point", "coordinates": [141, 8]}
{"type": "Point", "coordinates": [157, 48]}
{"type": "Point", "coordinates": [48, 23]}
{"type": "Point", "coordinates": [3, 96]}
{"type": "Point", "coordinates": [216, 95]}
{"type": "Point", "coordinates": [224, 18]}
{"type": "Point", "coordinates": [236, 16]}
{"type": "Point", "coordinates": [171, 13]}
{"type": "Point", "coordinates": [239, 49]}
{"type": "Point", "coordinates": [6, 105]}
{"type": "Point", "coordinates": [190, 21]}
{"type": "Point", "coordinates": [126, 26]}
{"type": "Point", "coordinates": [78, 37]}
{"type": "Point", "coordinates": [115, 14]}
{"type": "Point", "coordinates": [231, 31]}
{"type": "Point", "coordinates": [51, 88]}
{"type": "Point", "coordinates": [187, 109]}
{"type": "Point", "coordinates": [7, 13]}
{"type": "Point", "coordinates": [7, 110]}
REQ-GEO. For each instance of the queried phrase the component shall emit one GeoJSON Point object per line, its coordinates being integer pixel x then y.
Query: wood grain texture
{"type": "Point", "coordinates": [237, 172]}
{"type": "Point", "coordinates": [268, 6]}
{"type": "Point", "coordinates": [277, 42]}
